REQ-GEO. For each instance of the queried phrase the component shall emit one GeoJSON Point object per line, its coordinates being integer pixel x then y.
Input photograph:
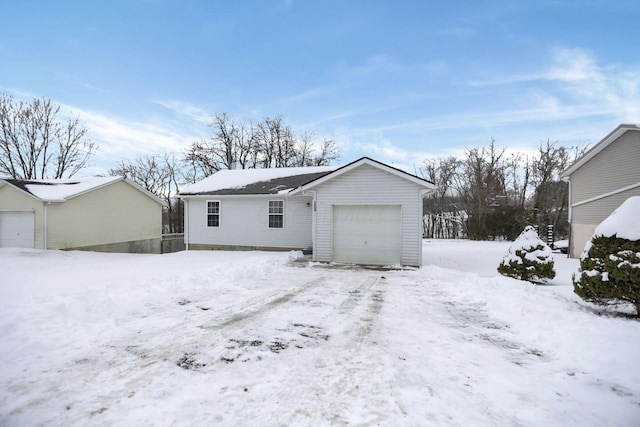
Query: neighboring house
{"type": "Point", "coordinates": [363, 213]}
{"type": "Point", "coordinates": [109, 214]}
{"type": "Point", "coordinates": [600, 180]}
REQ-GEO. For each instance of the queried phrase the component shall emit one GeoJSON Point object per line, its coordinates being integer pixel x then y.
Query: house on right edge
{"type": "Point", "coordinates": [600, 180]}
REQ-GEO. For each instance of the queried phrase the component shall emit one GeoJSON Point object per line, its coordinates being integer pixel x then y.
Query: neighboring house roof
{"type": "Point", "coordinates": [61, 190]}
{"type": "Point", "coordinates": [282, 180]}
{"type": "Point", "coordinates": [255, 181]}
{"type": "Point", "coordinates": [604, 143]}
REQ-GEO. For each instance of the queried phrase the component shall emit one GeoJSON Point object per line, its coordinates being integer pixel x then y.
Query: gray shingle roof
{"type": "Point", "coordinates": [272, 186]}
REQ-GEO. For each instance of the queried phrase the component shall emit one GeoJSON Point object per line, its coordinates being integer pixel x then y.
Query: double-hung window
{"type": "Point", "coordinates": [213, 213]}
{"type": "Point", "coordinates": [276, 214]}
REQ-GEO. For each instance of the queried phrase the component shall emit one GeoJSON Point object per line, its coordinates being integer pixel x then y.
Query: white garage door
{"type": "Point", "coordinates": [367, 234]}
{"type": "Point", "coordinates": [16, 230]}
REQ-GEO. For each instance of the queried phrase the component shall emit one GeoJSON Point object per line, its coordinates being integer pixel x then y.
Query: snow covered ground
{"type": "Point", "coordinates": [252, 338]}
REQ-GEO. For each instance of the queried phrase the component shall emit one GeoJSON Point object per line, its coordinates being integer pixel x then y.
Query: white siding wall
{"type": "Point", "coordinates": [112, 214]}
{"type": "Point", "coordinates": [13, 199]}
{"type": "Point", "coordinates": [367, 185]}
{"type": "Point", "coordinates": [244, 221]}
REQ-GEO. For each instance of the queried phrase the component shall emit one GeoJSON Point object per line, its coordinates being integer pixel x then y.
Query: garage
{"type": "Point", "coordinates": [367, 234]}
{"type": "Point", "coordinates": [17, 229]}
{"type": "Point", "coordinates": [366, 213]}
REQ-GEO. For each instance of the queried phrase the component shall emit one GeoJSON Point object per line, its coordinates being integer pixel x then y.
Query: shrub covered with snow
{"type": "Point", "coordinates": [610, 264]}
{"type": "Point", "coordinates": [528, 258]}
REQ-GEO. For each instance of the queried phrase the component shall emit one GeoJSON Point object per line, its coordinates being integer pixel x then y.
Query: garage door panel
{"type": "Point", "coordinates": [367, 234]}
{"type": "Point", "coordinates": [17, 230]}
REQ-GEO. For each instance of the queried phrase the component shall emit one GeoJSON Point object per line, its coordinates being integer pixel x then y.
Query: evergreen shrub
{"type": "Point", "coordinates": [609, 271]}
{"type": "Point", "coordinates": [528, 258]}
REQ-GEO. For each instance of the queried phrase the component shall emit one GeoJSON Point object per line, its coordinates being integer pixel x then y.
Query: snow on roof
{"type": "Point", "coordinates": [243, 181]}
{"type": "Point", "coordinates": [624, 222]}
{"type": "Point", "coordinates": [57, 190]}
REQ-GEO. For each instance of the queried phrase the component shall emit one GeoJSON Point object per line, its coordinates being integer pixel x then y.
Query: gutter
{"type": "Point", "coordinates": [186, 223]}
{"type": "Point", "coordinates": [45, 227]}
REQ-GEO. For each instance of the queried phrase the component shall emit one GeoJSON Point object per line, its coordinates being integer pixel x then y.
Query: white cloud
{"type": "Point", "coordinates": [185, 109]}
{"type": "Point", "coordinates": [120, 139]}
{"type": "Point", "coordinates": [573, 65]}
{"type": "Point", "coordinates": [92, 87]}
{"type": "Point", "coordinates": [611, 89]}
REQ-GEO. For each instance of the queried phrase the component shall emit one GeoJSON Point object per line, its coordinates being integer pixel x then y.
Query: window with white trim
{"type": "Point", "coordinates": [276, 214]}
{"type": "Point", "coordinates": [213, 213]}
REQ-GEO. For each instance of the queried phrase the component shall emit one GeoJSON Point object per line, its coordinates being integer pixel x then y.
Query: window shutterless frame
{"type": "Point", "coordinates": [276, 213]}
{"type": "Point", "coordinates": [213, 213]}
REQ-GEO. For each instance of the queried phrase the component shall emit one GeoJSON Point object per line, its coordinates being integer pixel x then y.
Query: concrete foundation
{"type": "Point", "coordinates": [206, 247]}
{"type": "Point", "coordinates": [148, 246]}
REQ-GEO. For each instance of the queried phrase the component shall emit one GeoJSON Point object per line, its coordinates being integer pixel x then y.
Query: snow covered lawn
{"type": "Point", "coordinates": [251, 338]}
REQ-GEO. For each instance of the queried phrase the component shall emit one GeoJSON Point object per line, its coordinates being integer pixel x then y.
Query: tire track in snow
{"type": "Point", "coordinates": [259, 306]}
{"type": "Point", "coordinates": [130, 362]}
{"type": "Point", "coordinates": [205, 339]}
{"type": "Point", "coordinates": [352, 383]}
{"type": "Point", "coordinates": [351, 380]}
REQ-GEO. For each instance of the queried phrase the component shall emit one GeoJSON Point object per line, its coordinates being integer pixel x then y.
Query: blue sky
{"type": "Point", "coordinates": [399, 81]}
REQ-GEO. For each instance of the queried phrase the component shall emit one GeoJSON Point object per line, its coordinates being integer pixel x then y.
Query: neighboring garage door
{"type": "Point", "coordinates": [16, 229]}
{"type": "Point", "coordinates": [367, 234]}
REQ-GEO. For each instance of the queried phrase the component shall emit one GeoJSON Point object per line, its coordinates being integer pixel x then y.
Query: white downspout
{"type": "Point", "coordinates": [569, 202]}
{"type": "Point", "coordinates": [313, 220]}
{"type": "Point", "coordinates": [423, 193]}
{"type": "Point", "coordinates": [45, 227]}
{"type": "Point", "coordinates": [186, 224]}
{"type": "Point", "coordinates": [567, 179]}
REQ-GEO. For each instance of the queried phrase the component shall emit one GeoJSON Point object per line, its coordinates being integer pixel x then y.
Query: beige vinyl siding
{"type": "Point", "coordinates": [112, 214]}
{"type": "Point", "coordinates": [13, 199]}
{"type": "Point", "coordinates": [244, 222]}
{"type": "Point", "coordinates": [580, 235]}
{"type": "Point", "coordinates": [586, 217]}
{"type": "Point", "coordinates": [613, 168]}
{"type": "Point", "coordinates": [596, 211]}
{"type": "Point", "coordinates": [367, 185]}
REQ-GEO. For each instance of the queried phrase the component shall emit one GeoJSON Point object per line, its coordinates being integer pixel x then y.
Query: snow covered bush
{"type": "Point", "coordinates": [528, 258]}
{"type": "Point", "coordinates": [610, 264]}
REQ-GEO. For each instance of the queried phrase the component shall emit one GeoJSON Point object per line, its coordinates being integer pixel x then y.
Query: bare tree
{"type": "Point", "coordinates": [329, 152]}
{"type": "Point", "coordinates": [34, 144]}
{"type": "Point", "coordinates": [443, 218]}
{"type": "Point", "coordinates": [304, 150]}
{"type": "Point", "coordinates": [269, 143]}
{"type": "Point", "coordinates": [161, 175]}
{"type": "Point", "coordinates": [230, 146]}
{"type": "Point", "coordinates": [276, 143]}
{"type": "Point", "coordinates": [499, 195]}
{"type": "Point", "coordinates": [481, 187]}
{"type": "Point", "coordinates": [550, 198]}
{"type": "Point", "coordinates": [518, 180]}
